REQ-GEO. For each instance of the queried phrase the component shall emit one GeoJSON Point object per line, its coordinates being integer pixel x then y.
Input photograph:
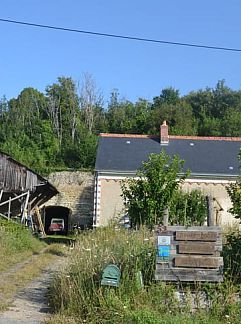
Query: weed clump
{"type": "Point", "coordinates": [77, 293]}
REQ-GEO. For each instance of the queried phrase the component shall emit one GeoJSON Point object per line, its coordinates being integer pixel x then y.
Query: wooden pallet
{"type": "Point", "coordinates": [189, 254]}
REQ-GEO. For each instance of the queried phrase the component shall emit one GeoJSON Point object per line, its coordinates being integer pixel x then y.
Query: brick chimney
{"type": "Point", "coordinates": [164, 137]}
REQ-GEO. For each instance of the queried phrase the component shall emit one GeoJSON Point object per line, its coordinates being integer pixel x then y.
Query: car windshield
{"type": "Point", "coordinates": [57, 221]}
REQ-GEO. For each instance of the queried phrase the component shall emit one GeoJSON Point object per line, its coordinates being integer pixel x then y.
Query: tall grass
{"type": "Point", "coordinates": [77, 294]}
{"type": "Point", "coordinates": [79, 291]}
{"type": "Point", "coordinates": [16, 243]}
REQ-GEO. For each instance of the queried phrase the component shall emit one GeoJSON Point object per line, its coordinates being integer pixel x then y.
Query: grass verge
{"type": "Point", "coordinates": [77, 296]}
{"type": "Point", "coordinates": [16, 244]}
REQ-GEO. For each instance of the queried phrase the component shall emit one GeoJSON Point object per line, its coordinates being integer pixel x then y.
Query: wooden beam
{"type": "Point", "coordinates": [25, 207]}
{"type": "Point", "coordinates": [9, 207]}
{"type": "Point", "coordinates": [12, 199]}
{"type": "Point", "coordinates": [188, 275]}
{"type": "Point", "coordinates": [196, 236]}
{"type": "Point", "coordinates": [195, 228]}
{"type": "Point", "coordinates": [196, 248]}
{"type": "Point", "coordinates": [41, 226]}
{"type": "Point", "coordinates": [198, 261]}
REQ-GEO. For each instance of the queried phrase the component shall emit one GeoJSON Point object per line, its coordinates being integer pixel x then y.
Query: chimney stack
{"type": "Point", "coordinates": [164, 137]}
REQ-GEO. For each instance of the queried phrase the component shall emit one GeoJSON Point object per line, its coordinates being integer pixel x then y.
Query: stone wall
{"type": "Point", "coordinates": [76, 192]}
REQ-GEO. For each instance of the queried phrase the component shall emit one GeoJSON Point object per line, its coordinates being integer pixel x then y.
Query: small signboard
{"type": "Point", "coordinates": [163, 251]}
{"type": "Point", "coordinates": [164, 240]}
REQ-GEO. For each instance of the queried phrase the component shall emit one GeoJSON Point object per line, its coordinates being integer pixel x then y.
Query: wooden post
{"type": "Point", "coordinates": [24, 212]}
{"type": "Point", "coordinates": [9, 208]}
{"type": "Point", "coordinates": [40, 223]}
{"type": "Point", "coordinates": [210, 220]}
{"type": "Point", "coordinates": [165, 216]}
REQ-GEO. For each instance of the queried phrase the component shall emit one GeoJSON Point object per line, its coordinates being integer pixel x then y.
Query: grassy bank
{"type": "Point", "coordinates": [16, 244]}
{"type": "Point", "coordinates": [23, 257]}
{"type": "Point", "coordinates": [77, 296]}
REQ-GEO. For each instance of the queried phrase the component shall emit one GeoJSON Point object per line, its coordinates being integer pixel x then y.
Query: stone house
{"type": "Point", "coordinates": [213, 162]}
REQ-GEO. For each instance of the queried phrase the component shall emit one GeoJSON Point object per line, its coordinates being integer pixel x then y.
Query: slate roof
{"type": "Point", "coordinates": [204, 156]}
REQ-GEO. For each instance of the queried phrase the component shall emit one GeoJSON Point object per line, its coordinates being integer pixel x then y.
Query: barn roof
{"type": "Point", "coordinates": [209, 157]}
{"type": "Point", "coordinates": [16, 178]}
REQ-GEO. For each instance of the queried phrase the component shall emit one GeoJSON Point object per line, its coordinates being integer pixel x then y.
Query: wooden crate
{"type": "Point", "coordinates": [189, 254]}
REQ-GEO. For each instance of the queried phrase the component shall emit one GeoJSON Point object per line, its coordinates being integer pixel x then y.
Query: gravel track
{"type": "Point", "coordinates": [30, 304]}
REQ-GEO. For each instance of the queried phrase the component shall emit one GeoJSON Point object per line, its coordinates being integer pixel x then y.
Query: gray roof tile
{"type": "Point", "coordinates": [219, 158]}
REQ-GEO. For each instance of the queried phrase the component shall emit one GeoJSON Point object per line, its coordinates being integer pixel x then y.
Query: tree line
{"type": "Point", "coordinates": [58, 129]}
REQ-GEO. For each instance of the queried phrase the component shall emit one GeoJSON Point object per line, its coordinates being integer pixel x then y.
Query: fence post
{"type": "Point", "coordinates": [210, 220]}
{"type": "Point", "coordinates": [165, 216]}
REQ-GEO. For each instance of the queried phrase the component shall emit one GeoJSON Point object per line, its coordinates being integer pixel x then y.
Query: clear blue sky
{"type": "Point", "coordinates": [36, 57]}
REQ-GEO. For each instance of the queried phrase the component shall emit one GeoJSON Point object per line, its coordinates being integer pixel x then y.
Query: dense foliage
{"type": "Point", "coordinates": [234, 191]}
{"type": "Point", "coordinates": [188, 208]}
{"type": "Point", "coordinates": [156, 188]}
{"type": "Point", "coordinates": [58, 129]}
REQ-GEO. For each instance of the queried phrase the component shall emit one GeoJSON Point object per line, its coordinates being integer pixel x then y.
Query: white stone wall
{"type": "Point", "coordinates": [111, 202]}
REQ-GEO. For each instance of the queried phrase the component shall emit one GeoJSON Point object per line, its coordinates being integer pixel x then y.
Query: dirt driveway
{"type": "Point", "coordinates": [30, 304]}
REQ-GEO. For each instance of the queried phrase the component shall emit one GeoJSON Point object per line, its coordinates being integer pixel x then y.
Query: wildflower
{"type": "Point", "coordinates": [227, 316]}
{"type": "Point", "coordinates": [146, 239]}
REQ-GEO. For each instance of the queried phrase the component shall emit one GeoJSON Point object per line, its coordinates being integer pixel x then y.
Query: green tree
{"type": "Point", "coordinates": [168, 95]}
{"type": "Point", "coordinates": [63, 108]}
{"type": "Point", "coordinates": [146, 196]}
{"type": "Point", "coordinates": [234, 191]}
{"type": "Point", "coordinates": [179, 116]}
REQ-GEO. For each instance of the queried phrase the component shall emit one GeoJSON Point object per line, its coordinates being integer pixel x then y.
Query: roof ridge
{"type": "Point", "coordinates": [127, 135]}
{"type": "Point", "coordinates": [204, 138]}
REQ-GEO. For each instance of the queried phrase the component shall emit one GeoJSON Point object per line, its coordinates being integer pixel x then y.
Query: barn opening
{"type": "Point", "coordinates": [56, 220]}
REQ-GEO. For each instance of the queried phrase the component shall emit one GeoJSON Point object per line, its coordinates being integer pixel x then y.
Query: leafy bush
{"type": "Point", "coordinates": [188, 208]}
{"type": "Point", "coordinates": [157, 183]}
{"type": "Point", "coordinates": [234, 191]}
{"type": "Point", "coordinates": [232, 256]}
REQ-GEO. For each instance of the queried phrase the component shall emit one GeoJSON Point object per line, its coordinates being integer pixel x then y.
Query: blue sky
{"type": "Point", "coordinates": [36, 57]}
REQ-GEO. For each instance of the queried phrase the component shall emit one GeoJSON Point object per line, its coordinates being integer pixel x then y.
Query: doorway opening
{"type": "Point", "coordinates": [56, 220]}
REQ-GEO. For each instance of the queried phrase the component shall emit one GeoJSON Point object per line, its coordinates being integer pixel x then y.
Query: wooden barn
{"type": "Point", "coordinates": [21, 189]}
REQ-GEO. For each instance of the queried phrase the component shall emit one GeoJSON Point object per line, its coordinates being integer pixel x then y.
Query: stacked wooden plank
{"type": "Point", "coordinates": [189, 254]}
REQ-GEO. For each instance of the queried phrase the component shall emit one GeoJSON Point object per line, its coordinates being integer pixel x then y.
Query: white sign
{"type": "Point", "coordinates": [164, 240]}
